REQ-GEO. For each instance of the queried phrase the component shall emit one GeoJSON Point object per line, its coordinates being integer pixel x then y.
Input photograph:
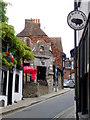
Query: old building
{"type": "Point", "coordinates": [43, 48]}
{"type": "Point", "coordinates": [57, 50]}
{"type": "Point", "coordinates": [84, 63]}
{"type": "Point", "coordinates": [72, 59]}
{"type": "Point", "coordinates": [11, 85]}
{"type": "Point", "coordinates": [67, 70]}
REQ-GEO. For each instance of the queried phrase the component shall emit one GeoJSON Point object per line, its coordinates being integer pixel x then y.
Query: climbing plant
{"type": "Point", "coordinates": [10, 42]}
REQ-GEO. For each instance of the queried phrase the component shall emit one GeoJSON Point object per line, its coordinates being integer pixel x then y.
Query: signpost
{"type": "Point", "coordinates": [77, 21]}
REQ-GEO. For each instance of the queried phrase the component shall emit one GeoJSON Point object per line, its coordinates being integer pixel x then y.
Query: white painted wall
{"type": "Point", "coordinates": [17, 96]}
{"type": "Point", "coordinates": [3, 97]}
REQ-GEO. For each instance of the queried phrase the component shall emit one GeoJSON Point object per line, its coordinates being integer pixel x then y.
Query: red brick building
{"type": "Point", "coordinates": [57, 50]}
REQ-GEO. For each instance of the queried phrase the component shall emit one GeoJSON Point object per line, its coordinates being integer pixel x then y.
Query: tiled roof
{"type": "Point", "coordinates": [31, 29]}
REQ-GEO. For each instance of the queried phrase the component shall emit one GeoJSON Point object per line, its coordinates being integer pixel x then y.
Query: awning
{"type": "Point", "coordinates": [29, 69]}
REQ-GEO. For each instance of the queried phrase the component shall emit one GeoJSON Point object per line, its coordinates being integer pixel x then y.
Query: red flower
{"type": "Point", "coordinates": [12, 59]}
{"type": "Point", "coordinates": [7, 53]}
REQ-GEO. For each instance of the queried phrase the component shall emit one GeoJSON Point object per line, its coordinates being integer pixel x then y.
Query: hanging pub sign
{"type": "Point", "coordinates": [76, 20]}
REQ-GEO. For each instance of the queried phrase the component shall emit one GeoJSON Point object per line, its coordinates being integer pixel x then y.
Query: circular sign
{"type": "Point", "coordinates": [76, 20]}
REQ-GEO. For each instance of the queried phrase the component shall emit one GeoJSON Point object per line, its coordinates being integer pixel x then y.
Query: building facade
{"type": "Point", "coordinates": [42, 46]}
{"type": "Point", "coordinates": [84, 63]}
{"type": "Point", "coordinates": [72, 59]}
{"type": "Point", "coordinates": [67, 70]}
{"type": "Point", "coordinates": [10, 80]}
{"type": "Point", "coordinates": [11, 85]}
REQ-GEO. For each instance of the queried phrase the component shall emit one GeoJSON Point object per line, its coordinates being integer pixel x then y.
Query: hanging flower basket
{"type": "Point", "coordinates": [9, 58]}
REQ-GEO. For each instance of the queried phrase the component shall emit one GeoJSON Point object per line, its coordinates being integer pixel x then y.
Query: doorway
{"type": "Point", "coordinates": [4, 81]}
{"type": "Point", "coordinates": [10, 88]}
{"type": "Point", "coordinates": [41, 73]}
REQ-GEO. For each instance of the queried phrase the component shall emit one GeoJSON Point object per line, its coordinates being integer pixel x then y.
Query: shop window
{"type": "Point", "coordinates": [17, 83]}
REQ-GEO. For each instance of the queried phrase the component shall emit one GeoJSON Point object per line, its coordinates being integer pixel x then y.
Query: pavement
{"type": "Point", "coordinates": [26, 102]}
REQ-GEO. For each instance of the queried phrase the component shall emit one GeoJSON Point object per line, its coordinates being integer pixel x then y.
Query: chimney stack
{"type": "Point", "coordinates": [28, 22]}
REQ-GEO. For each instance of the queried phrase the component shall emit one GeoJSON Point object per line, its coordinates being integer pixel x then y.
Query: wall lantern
{"type": "Point", "coordinates": [41, 49]}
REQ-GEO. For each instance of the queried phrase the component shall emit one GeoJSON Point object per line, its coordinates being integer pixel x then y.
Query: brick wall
{"type": "Point", "coordinates": [67, 73]}
{"type": "Point", "coordinates": [36, 38]}
{"type": "Point", "coordinates": [58, 56]}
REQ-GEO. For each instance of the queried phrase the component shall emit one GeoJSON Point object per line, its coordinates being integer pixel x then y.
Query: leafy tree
{"type": "Point", "coordinates": [15, 46]}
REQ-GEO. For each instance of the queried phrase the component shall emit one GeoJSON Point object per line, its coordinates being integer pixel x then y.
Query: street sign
{"type": "Point", "coordinates": [76, 20]}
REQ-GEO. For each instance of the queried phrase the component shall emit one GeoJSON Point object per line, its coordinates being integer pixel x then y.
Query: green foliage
{"type": "Point", "coordinates": [7, 32]}
{"type": "Point", "coordinates": [15, 46]}
{"type": "Point", "coordinates": [3, 6]}
{"type": "Point", "coordinates": [6, 63]}
{"type": "Point", "coordinates": [14, 61]}
{"type": "Point", "coordinates": [20, 50]}
{"type": "Point", "coordinates": [28, 55]}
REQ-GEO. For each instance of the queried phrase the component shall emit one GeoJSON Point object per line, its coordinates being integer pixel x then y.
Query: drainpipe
{"type": "Point", "coordinates": [75, 54]}
{"type": "Point", "coordinates": [63, 67]}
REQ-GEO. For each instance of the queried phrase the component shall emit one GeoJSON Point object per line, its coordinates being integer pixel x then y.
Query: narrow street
{"type": "Point", "coordinates": [47, 109]}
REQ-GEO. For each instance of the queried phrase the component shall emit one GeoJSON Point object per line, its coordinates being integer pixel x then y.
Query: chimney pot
{"type": "Point", "coordinates": [36, 20]}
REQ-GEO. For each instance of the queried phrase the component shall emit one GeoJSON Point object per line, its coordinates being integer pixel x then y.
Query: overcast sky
{"type": "Point", "coordinates": [52, 15]}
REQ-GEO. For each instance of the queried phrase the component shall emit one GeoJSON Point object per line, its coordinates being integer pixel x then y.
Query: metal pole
{"type": "Point", "coordinates": [55, 79]}
{"type": "Point", "coordinates": [75, 53]}
{"type": "Point", "coordinates": [62, 70]}
{"type": "Point", "coordinates": [76, 86]}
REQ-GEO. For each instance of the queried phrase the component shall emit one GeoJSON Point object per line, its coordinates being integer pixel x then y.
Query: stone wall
{"type": "Point", "coordinates": [34, 90]}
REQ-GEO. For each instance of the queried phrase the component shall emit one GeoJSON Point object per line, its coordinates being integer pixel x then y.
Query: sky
{"type": "Point", "coordinates": [52, 14]}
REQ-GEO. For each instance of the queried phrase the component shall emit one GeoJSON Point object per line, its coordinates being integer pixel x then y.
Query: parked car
{"type": "Point", "coordinates": [68, 83]}
{"type": "Point", "coordinates": [65, 83]}
{"type": "Point", "coordinates": [71, 83]}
